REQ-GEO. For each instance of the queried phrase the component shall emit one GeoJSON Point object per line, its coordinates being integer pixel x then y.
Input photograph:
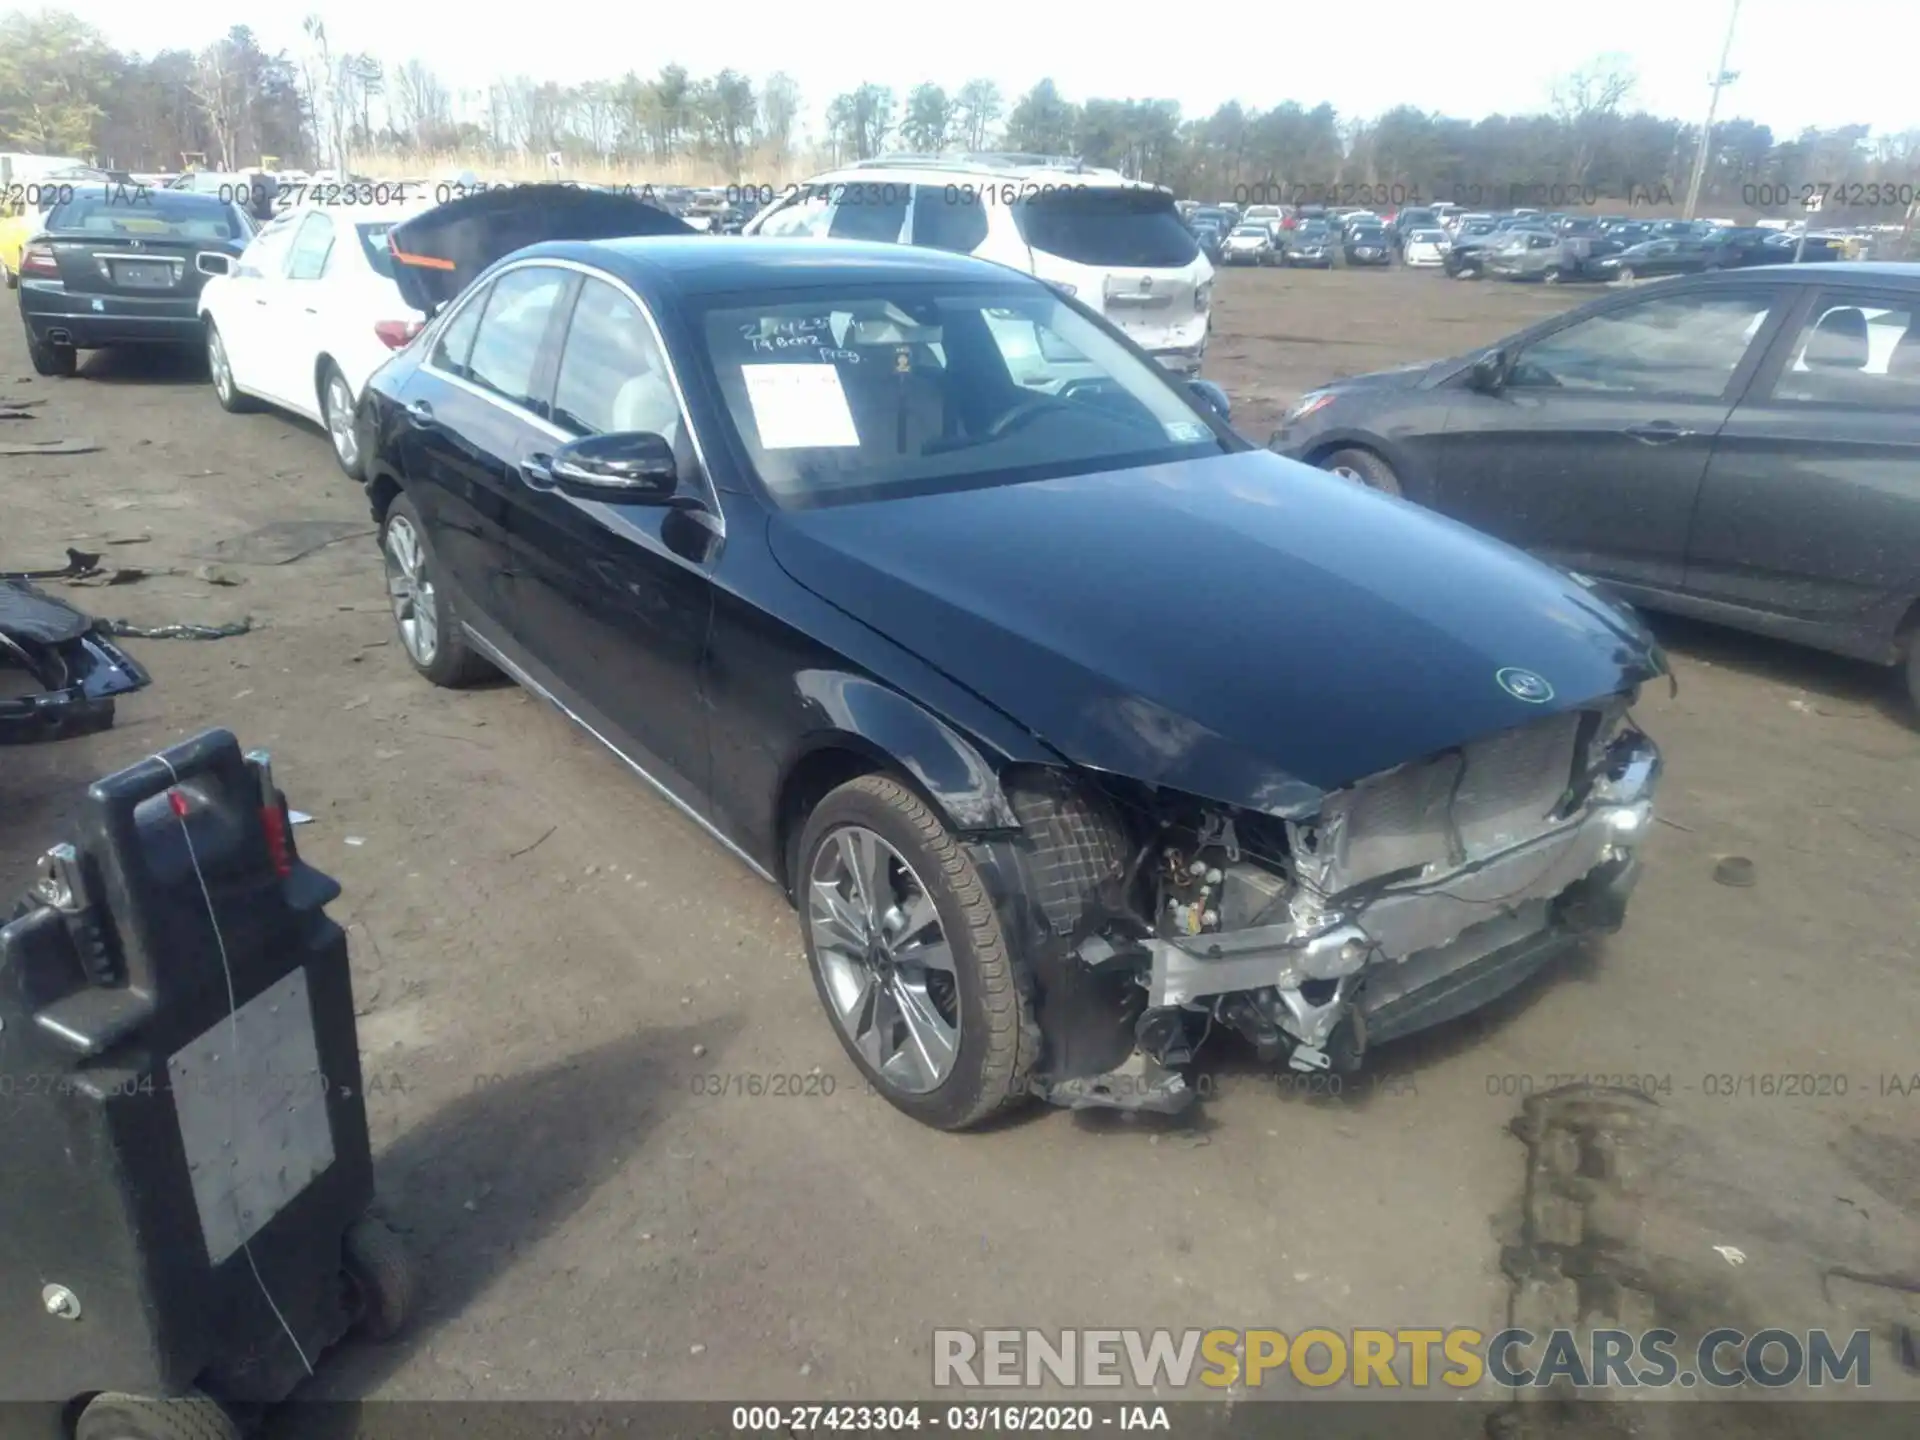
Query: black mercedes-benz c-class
{"type": "Point", "coordinates": [1076, 727]}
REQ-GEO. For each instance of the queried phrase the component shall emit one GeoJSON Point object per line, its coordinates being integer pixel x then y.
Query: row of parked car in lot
{"type": "Point", "coordinates": [1518, 245]}
{"type": "Point", "coordinates": [876, 560]}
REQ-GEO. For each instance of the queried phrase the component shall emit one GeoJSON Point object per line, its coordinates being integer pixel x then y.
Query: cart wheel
{"type": "Point", "coordinates": [193, 1416]}
{"type": "Point", "coordinates": [382, 1273]}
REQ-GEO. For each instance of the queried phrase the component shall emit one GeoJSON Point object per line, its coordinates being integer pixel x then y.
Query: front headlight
{"type": "Point", "coordinates": [1202, 296]}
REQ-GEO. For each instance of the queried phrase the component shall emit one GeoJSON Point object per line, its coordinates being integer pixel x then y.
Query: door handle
{"type": "Point", "coordinates": [421, 414]}
{"type": "Point", "coordinates": [259, 299]}
{"type": "Point", "coordinates": [312, 311]}
{"type": "Point", "coordinates": [1660, 432]}
{"type": "Point", "coordinates": [538, 470]}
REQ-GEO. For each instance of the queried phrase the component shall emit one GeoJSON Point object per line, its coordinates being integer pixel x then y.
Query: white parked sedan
{"type": "Point", "coordinates": [1426, 247]}
{"type": "Point", "coordinates": [308, 313]}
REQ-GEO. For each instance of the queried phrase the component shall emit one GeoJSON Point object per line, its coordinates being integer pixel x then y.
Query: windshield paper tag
{"type": "Point", "coordinates": [1186, 431]}
{"type": "Point", "coordinates": [799, 407]}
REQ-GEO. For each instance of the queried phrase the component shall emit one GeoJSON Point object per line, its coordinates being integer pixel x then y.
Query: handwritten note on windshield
{"type": "Point", "coordinates": [799, 407]}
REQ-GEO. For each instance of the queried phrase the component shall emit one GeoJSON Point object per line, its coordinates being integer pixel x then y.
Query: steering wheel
{"type": "Point", "coordinates": [1022, 413]}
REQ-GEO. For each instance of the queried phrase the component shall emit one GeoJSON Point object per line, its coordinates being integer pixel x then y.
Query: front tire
{"type": "Point", "coordinates": [1913, 673]}
{"type": "Point", "coordinates": [113, 1416]}
{"type": "Point", "coordinates": [231, 399]}
{"type": "Point", "coordinates": [1363, 467]}
{"type": "Point", "coordinates": [1626, 275]}
{"type": "Point", "coordinates": [56, 361]}
{"type": "Point", "coordinates": [909, 958]}
{"type": "Point", "coordinates": [423, 611]}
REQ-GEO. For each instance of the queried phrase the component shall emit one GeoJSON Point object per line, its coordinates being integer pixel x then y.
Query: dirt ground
{"type": "Point", "coordinates": [549, 961]}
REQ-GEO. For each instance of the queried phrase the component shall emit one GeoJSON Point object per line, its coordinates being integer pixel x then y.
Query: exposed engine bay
{"type": "Point", "coordinates": [1409, 898]}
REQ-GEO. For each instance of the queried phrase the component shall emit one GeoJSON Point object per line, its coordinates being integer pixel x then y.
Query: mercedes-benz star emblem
{"type": "Point", "coordinates": [1524, 685]}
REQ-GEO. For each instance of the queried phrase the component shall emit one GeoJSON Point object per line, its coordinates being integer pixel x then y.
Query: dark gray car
{"type": "Point", "coordinates": [1742, 446]}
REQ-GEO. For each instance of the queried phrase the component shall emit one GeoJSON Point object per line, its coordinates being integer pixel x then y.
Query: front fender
{"type": "Point", "coordinates": [853, 711]}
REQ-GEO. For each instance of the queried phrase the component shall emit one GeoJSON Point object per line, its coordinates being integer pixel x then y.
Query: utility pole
{"type": "Point", "coordinates": [1721, 78]}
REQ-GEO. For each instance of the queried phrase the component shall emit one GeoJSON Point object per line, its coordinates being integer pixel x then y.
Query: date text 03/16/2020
{"type": "Point", "coordinates": [961, 1419]}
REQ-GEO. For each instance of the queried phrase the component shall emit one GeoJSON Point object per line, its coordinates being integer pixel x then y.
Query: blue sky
{"type": "Point", "coordinates": [1800, 64]}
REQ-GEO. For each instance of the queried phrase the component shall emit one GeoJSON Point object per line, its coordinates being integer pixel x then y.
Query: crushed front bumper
{"type": "Point", "coordinates": [58, 674]}
{"type": "Point", "coordinates": [1417, 953]}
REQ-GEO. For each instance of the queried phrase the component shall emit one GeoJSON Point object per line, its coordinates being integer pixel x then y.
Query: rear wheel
{"type": "Point", "coordinates": [423, 612]}
{"type": "Point", "coordinates": [1626, 274]}
{"type": "Point", "coordinates": [221, 369]}
{"type": "Point", "coordinates": [1363, 467]}
{"type": "Point", "coordinates": [1913, 672]}
{"type": "Point", "coordinates": [909, 958]}
{"type": "Point", "coordinates": [13, 280]}
{"type": "Point", "coordinates": [51, 359]}
{"type": "Point", "coordinates": [336, 408]}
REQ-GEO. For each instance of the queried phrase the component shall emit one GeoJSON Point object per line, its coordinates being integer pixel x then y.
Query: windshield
{"type": "Point", "coordinates": [1107, 226]}
{"type": "Point", "coordinates": [908, 389]}
{"type": "Point", "coordinates": [163, 214]}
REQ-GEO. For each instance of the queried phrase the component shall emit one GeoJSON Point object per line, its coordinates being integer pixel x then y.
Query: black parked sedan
{"type": "Point", "coordinates": [1074, 726]}
{"type": "Point", "coordinates": [1366, 245]}
{"type": "Point", "coordinates": [1743, 447]}
{"type": "Point", "coordinates": [123, 265]}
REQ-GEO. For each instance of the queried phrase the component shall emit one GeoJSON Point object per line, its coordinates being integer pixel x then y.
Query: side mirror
{"type": "Point", "coordinates": [1489, 373]}
{"type": "Point", "coordinates": [1213, 397]}
{"type": "Point", "coordinates": [631, 467]}
{"type": "Point", "coordinates": [212, 262]}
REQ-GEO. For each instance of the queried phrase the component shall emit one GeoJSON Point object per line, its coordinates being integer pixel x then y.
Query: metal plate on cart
{"type": "Point", "coordinates": [252, 1108]}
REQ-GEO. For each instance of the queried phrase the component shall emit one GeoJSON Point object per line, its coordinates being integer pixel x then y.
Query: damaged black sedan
{"type": "Point", "coordinates": [1077, 729]}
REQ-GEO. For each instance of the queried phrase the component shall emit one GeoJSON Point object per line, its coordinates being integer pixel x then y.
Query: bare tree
{"type": "Point", "coordinates": [1586, 102]}
{"type": "Point", "coordinates": [219, 91]}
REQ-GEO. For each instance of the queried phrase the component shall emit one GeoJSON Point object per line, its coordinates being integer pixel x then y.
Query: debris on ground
{"type": "Point", "coordinates": [1735, 870]}
{"type": "Point", "coordinates": [58, 671]}
{"type": "Point", "coordinates": [50, 447]}
{"type": "Point", "coordinates": [217, 575]}
{"type": "Point", "coordinates": [178, 632]}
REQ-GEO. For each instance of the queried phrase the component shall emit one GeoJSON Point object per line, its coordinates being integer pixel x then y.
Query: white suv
{"type": "Point", "coordinates": [1116, 245]}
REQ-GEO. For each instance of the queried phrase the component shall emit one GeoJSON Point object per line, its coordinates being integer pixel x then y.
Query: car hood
{"type": "Point", "coordinates": [1401, 377]}
{"type": "Point", "coordinates": [438, 253]}
{"type": "Point", "coordinates": [1241, 628]}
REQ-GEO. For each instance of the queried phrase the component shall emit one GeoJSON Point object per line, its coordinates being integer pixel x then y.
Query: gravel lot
{"type": "Point", "coordinates": [549, 959]}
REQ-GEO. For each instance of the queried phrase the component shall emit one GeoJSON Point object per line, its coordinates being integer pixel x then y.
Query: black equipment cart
{"type": "Point", "coordinates": [186, 1168]}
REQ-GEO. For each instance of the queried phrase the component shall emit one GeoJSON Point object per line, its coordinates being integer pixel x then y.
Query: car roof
{"type": "Point", "coordinates": [99, 188]}
{"type": "Point", "coordinates": [360, 214]}
{"type": "Point", "coordinates": [705, 265]}
{"type": "Point", "coordinates": [1903, 273]}
{"type": "Point", "coordinates": [936, 172]}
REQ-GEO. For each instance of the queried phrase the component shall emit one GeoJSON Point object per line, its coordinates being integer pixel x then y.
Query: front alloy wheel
{"type": "Point", "coordinates": [909, 958]}
{"type": "Point", "coordinates": [884, 960]}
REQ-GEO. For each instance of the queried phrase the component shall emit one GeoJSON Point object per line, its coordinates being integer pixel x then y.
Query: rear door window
{"type": "Point", "coordinates": [806, 213]}
{"type": "Point", "coordinates": [1107, 225]}
{"type": "Point", "coordinates": [870, 210]}
{"type": "Point", "coordinates": [949, 217]}
{"type": "Point", "coordinates": [312, 243]}
{"type": "Point", "coordinates": [450, 350]}
{"type": "Point", "coordinates": [506, 349]}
